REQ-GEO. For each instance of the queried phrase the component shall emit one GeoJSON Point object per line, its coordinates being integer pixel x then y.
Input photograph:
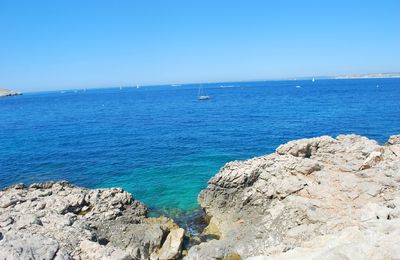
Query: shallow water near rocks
{"type": "Point", "coordinates": [162, 144]}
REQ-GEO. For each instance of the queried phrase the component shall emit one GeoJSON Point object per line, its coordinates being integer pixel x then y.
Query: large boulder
{"type": "Point", "coordinates": [57, 220]}
{"type": "Point", "coordinates": [172, 245]}
{"type": "Point", "coordinates": [319, 189]}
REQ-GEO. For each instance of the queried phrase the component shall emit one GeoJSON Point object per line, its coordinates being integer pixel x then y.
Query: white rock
{"type": "Point", "coordinates": [308, 190]}
{"type": "Point", "coordinates": [173, 244]}
{"type": "Point", "coordinates": [93, 251]}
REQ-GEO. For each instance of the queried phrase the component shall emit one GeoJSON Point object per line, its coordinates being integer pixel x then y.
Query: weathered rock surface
{"type": "Point", "coordinates": [61, 221]}
{"type": "Point", "coordinates": [335, 198]}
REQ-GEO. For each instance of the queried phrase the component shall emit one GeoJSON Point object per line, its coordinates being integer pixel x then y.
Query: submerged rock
{"type": "Point", "coordinates": [61, 221]}
{"type": "Point", "coordinates": [313, 198]}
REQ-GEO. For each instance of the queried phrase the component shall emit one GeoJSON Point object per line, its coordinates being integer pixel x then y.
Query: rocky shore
{"type": "Point", "coordinates": [318, 198]}
{"type": "Point", "coordinates": [324, 197]}
{"type": "Point", "coordinates": [61, 221]}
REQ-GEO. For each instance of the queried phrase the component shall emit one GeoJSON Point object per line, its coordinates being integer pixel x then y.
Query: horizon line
{"type": "Point", "coordinates": [320, 77]}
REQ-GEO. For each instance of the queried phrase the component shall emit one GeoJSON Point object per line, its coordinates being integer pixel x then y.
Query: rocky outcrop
{"type": "Point", "coordinates": [313, 198]}
{"type": "Point", "coordinates": [61, 221]}
{"type": "Point", "coordinates": [335, 198]}
{"type": "Point", "coordinates": [6, 93]}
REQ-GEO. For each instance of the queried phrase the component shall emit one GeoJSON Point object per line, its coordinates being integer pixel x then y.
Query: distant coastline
{"type": "Point", "coordinates": [7, 93]}
{"type": "Point", "coordinates": [370, 76]}
{"type": "Point", "coordinates": [224, 83]}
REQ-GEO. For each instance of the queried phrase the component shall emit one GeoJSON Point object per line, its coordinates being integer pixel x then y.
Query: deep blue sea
{"type": "Point", "coordinates": [162, 144]}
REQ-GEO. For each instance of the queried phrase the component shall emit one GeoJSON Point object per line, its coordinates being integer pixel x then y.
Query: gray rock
{"type": "Point", "coordinates": [308, 190]}
{"type": "Point", "coordinates": [93, 251]}
{"type": "Point", "coordinates": [313, 198]}
{"type": "Point", "coordinates": [57, 220]}
{"type": "Point", "coordinates": [378, 241]}
{"type": "Point", "coordinates": [24, 245]}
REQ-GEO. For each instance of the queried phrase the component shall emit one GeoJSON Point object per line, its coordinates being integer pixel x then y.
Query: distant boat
{"type": "Point", "coordinates": [298, 86]}
{"type": "Point", "coordinates": [137, 86]}
{"type": "Point", "coordinates": [120, 88]}
{"type": "Point", "coordinates": [377, 86]}
{"type": "Point", "coordinates": [313, 80]}
{"type": "Point", "coordinates": [204, 97]}
{"type": "Point", "coordinates": [201, 95]}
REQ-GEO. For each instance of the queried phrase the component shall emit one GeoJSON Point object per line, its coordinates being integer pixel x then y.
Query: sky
{"type": "Point", "coordinates": [63, 44]}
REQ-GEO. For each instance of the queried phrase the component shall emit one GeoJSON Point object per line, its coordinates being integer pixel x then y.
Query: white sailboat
{"type": "Point", "coordinates": [201, 94]}
{"type": "Point", "coordinates": [313, 80]}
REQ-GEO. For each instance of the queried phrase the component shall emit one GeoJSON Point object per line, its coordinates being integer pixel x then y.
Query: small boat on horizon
{"type": "Point", "coordinates": [201, 94]}
{"type": "Point", "coordinates": [203, 97]}
{"type": "Point", "coordinates": [313, 80]}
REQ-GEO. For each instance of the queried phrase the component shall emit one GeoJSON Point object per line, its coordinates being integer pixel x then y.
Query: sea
{"type": "Point", "coordinates": [162, 144]}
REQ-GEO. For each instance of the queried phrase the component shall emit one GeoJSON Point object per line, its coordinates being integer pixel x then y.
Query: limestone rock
{"type": "Point", "coordinates": [57, 220]}
{"type": "Point", "coordinates": [394, 139]}
{"type": "Point", "coordinates": [324, 197]}
{"type": "Point", "coordinates": [338, 193]}
{"type": "Point", "coordinates": [305, 147]}
{"type": "Point", "coordinates": [94, 251]}
{"type": "Point", "coordinates": [379, 241]}
{"type": "Point", "coordinates": [23, 245]}
{"type": "Point", "coordinates": [173, 244]}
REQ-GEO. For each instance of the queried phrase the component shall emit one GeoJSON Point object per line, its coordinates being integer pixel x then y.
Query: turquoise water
{"type": "Point", "coordinates": [162, 144]}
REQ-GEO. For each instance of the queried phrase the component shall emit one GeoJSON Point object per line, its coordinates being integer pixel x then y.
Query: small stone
{"type": "Point", "coordinates": [171, 249]}
{"type": "Point", "coordinates": [394, 139]}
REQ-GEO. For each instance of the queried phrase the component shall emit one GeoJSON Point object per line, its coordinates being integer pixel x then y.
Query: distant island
{"type": "Point", "coordinates": [370, 76]}
{"type": "Point", "coordinates": [6, 93]}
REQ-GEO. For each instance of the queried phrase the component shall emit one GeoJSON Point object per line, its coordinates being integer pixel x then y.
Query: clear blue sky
{"type": "Point", "coordinates": [73, 44]}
